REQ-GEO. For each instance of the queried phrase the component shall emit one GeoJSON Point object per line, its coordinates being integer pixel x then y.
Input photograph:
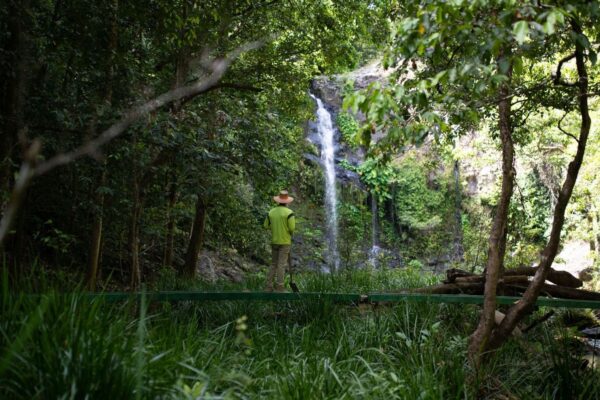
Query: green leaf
{"type": "Point", "coordinates": [583, 40]}
{"type": "Point", "coordinates": [550, 22]}
{"type": "Point", "coordinates": [520, 31]}
{"type": "Point", "coordinates": [518, 65]}
{"type": "Point", "coordinates": [504, 65]}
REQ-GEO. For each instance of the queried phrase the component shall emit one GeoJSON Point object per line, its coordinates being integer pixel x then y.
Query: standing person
{"type": "Point", "coordinates": [282, 223]}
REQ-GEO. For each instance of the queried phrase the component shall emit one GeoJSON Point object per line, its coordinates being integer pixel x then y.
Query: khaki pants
{"type": "Point", "coordinates": [278, 263]}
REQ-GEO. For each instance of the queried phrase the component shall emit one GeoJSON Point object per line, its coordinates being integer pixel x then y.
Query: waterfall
{"type": "Point", "coordinates": [327, 139]}
{"type": "Point", "coordinates": [375, 248]}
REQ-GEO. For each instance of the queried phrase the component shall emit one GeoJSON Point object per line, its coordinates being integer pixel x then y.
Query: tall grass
{"type": "Point", "coordinates": [65, 346]}
{"type": "Point", "coordinates": [345, 281]}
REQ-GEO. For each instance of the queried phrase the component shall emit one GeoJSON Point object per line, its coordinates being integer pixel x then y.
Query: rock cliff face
{"type": "Point", "coordinates": [330, 90]}
{"type": "Point", "coordinates": [225, 264]}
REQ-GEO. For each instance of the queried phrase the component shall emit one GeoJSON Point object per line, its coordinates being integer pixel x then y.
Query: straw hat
{"type": "Point", "coordinates": [283, 197]}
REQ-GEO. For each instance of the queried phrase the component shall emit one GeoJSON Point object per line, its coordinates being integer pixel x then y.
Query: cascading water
{"type": "Point", "coordinates": [375, 249]}
{"type": "Point", "coordinates": [327, 139]}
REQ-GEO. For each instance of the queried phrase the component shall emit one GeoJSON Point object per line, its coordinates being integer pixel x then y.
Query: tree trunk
{"type": "Point", "coordinates": [592, 240]}
{"type": "Point", "coordinates": [595, 231]}
{"type": "Point", "coordinates": [497, 241]}
{"type": "Point", "coordinates": [13, 96]}
{"type": "Point", "coordinates": [12, 109]}
{"type": "Point", "coordinates": [134, 218]}
{"type": "Point", "coordinates": [517, 312]}
{"type": "Point", "coordinates": [458, 233]}
{"type": "Point", "coordinates": [134, 236]}
{"type": "Point", "coordinates": [170, 237]}
{"type": "Point", "coordinates": [196, 239]}
{"type": "Point", "coordinates": [94, 258]}
{"type": "Point", "coordinates": [182, 68]}
{"type": "Point", "coordinates": [139, 185]}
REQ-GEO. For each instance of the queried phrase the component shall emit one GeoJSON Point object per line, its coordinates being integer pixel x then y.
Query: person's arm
{"type": "Point", "coordinates": [291, 222]}
{"type": "Point", "coordinates": [267, 222]}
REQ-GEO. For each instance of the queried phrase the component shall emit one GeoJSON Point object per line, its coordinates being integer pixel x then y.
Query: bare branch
{"type": "Point", "coordinates": [522, 198]}
{"type": "Point", "coordinates": [26, 174]}
{"type": "Point", "coordinates": [218, 67]}
{"type": "Point", "coordinates": [558, 75]}
{"type": "Point", "coordinates": [565, 132]}
{"type": "Point", "coordinates": [224, 85]}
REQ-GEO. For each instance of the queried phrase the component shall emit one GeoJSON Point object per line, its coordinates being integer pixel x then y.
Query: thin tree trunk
{"type": "Point", "coordinates": [134, 236]}
{"type": "Point", "coordinates": [592, 240]}
{"type": "Point", "coordinates": [517, 312]}
{"type": "Point", "coordinates": [196, 239]}
{"type": "Point", "coordinates": [94, 258]}
{"type": "Point", "coordinates": [139, 186]}
{"type": "Point", "coordinates": [458, 233]}
{"type": "Point", "coordinates": [134, 218]}
{"type": "Point", "coordinates": [497, 241]}
{"type": "Point", "coordinates": [12, 109]}
{"type": "Point", "coordinates": [595, 230]}
{"type": "Point", "coordinates": [170, 237]}
{"type": "Point", "coordinates": [13, 97]}
{"type": "Point", "coordinates": [182, 67]}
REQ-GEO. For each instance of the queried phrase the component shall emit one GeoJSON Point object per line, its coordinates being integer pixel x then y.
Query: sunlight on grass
{"type": "Point", "coordinates": [63, 346]}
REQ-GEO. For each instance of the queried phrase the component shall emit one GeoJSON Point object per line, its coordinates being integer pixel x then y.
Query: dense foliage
{"type": "Point", "coordinates": [211, 161]}
{"type": "Point", "coordinates": [460, 145]}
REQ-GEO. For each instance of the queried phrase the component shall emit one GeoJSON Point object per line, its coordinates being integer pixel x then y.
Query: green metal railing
{"type": "Point", "coordinates": [335, 297]}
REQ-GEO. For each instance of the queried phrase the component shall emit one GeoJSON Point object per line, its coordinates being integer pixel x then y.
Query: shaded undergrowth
{"type": "Point", "coordinates": [66, 346]}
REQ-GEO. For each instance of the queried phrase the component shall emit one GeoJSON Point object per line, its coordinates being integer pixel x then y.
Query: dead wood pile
{"type": "Point", "coordinates": [514, 282]}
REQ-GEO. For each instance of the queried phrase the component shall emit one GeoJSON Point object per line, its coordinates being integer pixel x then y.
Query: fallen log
{"type": "Point", "coordinates": [453, 273]}
{"type": "Point", "coordinates": [505, 279]}
{"type": "Point", "coordinates": [472, 286]}
{"type": "Point", "coordinates": [514, 286]}
{"type": "Point", "coordinates": [468, 288]}
{"type": "Point", "coordinates": [563, 292]}
{"type": "Point", "coordinates": [468, 279]}
{"type": "Point", "coordinates": [453, 288]}
{"type": "Point", "coordinates": [562, 278]}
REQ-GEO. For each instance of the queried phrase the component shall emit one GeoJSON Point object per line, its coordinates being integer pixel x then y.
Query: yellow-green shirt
{"type": "Point", "coordinates": [282, 222]}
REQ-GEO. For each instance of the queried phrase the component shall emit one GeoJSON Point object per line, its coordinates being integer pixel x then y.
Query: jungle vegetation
{"type": "Point", "coordinates": [139, 139]}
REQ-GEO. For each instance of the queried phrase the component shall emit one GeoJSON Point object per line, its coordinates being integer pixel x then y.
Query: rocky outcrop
{"type": "Point", "coordinates": [225, 264]}
{"type": "Point", "coordinates": [330, 91]}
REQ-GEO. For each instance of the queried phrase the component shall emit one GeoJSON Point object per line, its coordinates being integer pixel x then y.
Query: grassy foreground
{"type": "Point", "coordinates": [65, 347]}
